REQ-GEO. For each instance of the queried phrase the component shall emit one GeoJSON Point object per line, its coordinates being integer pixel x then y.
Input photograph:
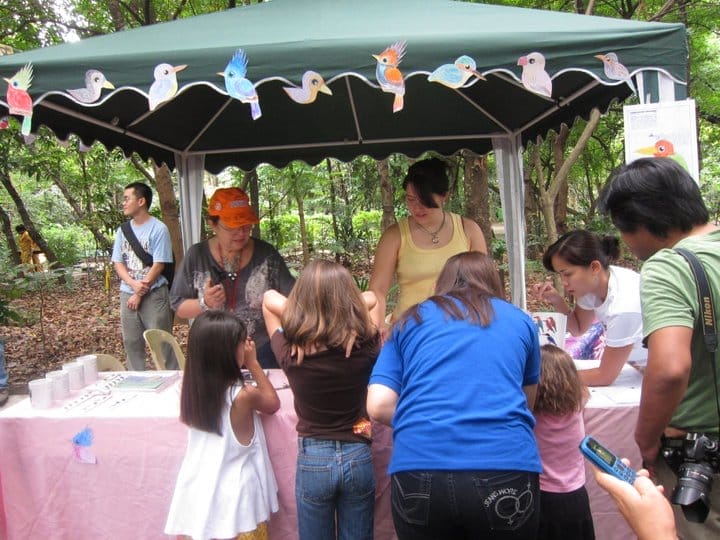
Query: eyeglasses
{"type": "Point", "coordinates": [244, 229]}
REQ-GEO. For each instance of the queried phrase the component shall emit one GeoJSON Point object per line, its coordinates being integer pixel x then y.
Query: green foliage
{"type": "Point", "coordinates": [281, 231]}
{"type": "Point", "coordinates": [335, 195]}
{"type": "Point", "coordinates": [70, 243]}
{"type": "Point", "coordinates": [10, 290]}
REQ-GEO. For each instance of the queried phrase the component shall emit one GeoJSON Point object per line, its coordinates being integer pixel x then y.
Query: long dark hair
{"type": "Point", "coordinates": [470, 278]}
{"type": "Point", "coordinates": [581, 248]}
{"type": "Point", "coordinates": [211, 368]}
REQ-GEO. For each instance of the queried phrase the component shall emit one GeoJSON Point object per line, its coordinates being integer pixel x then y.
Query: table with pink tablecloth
{"type": "Point", "coordinates": [139, 443]}
{"type": "Point", "coordinates": [610, 416]}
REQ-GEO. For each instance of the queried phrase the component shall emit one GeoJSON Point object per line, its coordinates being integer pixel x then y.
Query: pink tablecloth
{"type": "Point", "coordinates": [610, 416]}
{"type": "Point", "coordinates": [45, 492]}
{"type": "Point", "coordinates": [139, 444]}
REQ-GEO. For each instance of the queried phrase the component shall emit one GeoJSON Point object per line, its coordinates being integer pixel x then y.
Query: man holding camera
{"type": "Point", "coordinates": [657, 207]}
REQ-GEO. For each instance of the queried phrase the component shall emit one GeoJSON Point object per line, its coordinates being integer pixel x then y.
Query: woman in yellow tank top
{"type": "Point", "coordinates": [416, 248]}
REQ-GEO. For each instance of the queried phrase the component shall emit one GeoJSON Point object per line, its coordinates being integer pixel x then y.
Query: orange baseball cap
{"type": "Point", "coordinates": [232, 206]}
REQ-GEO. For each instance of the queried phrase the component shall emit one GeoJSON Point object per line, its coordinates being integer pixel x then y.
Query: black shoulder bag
{"type": "Point", "coordinates": [147, 259]}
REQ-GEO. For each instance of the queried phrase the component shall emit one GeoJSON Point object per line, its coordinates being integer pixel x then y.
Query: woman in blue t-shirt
{"type": "Point", "coordinates": [457, 381]}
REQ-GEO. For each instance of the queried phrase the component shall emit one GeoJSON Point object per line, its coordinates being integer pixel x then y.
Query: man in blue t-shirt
{"type": "Point", "coordinates": [144, 299]}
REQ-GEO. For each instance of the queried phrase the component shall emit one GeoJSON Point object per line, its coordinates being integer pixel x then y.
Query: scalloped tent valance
{"type": "Point", "coordinates": [309, 79]}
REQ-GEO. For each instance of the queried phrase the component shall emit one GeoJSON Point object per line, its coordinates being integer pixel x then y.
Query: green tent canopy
{"type": "Point", "coordinates": [382, 76]}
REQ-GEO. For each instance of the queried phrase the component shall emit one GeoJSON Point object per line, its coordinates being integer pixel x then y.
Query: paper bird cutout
{"type": "Point", "coordinates": [238, 86]}
{"type": "Point", "coordinates": [95, 81]}
{"type": "Point", "coordinates": [534, 77]}
{"type": "Point", "coordinates": [457, 74]}
{"type": "Point", "coordinates": [388, 75]}
{"type": "Point", "coordinates": [614, 70]}
{"type": "Point", "coordinates": [18, 98]}
{"type": "Point", "coordinates": [82, 443]}
{"type": "Point", "coordinates": [165, 86]}
{"type": "Point", "coordinates": [312, 83]}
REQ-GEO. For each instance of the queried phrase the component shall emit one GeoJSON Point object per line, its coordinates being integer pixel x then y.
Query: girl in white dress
{"type": "Point", "coordinates": [226, 487]}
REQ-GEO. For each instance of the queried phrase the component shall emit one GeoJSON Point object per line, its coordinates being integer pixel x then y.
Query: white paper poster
{"type": "Point", "coordinates": [666, 129]}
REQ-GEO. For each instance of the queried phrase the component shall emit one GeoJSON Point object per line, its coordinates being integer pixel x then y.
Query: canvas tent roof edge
{"type": "Point", "coordinates": [306, 79]}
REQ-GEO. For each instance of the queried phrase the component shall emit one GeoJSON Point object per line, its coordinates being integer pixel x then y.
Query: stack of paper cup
{"type": "Point", "coordinates": [41, 393]}
{"type": "Point", "coordinates": [60, 384]}
{"type": "Point", "coordinates": [90, 367]}
{"type": "Point", "coordinates": [77, 377]}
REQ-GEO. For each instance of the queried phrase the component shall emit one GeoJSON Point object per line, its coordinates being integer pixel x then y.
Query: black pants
{"type": "Point", "coordinates": [472, 505]}
{"type": "Point", "coordinates": [566, 516]}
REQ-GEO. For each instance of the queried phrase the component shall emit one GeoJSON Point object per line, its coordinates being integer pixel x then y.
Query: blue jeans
{"type": "Point", "coordinates": [3, 371]}
{"type": "Point", "coordinates": [472, 505]}
{"type": "Point", "coordinates": [334, 490]}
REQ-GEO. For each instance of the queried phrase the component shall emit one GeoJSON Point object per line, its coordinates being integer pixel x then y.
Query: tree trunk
{"type": "Point", "coordinates": [548, 196]}
{"type": "Point", "coordinates": [27, 221]}
{"type": "Point", "coordinates": [477, 192]}
{"type": "Point", "coordinates": [559, 144]}
{"type": "Point", "coordinates": [333, 205]}
{"type": "Point", "coordinates": [10, 235]}
{"type": "Point", "coordinates": [250, 184]}
{"type": "Point", "coordinates": [169, 209]}
{"type": "Point", "coordinates": [387, 195]}
{"type": "Point", "coordinates": [303, 229]}
{"type": "Point", "coordinates": [102, 241]}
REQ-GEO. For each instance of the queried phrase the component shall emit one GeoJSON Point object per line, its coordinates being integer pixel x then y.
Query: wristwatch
{"type": "Point", "coordinates": [203, 305]}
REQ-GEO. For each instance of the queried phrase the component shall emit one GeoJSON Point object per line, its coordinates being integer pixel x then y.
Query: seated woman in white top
{"type": "Point", "coordinates": [610, 294]}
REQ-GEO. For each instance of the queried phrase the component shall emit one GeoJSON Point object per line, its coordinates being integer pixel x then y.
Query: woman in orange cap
{"type": "Point", "coordinates": [231, 270]}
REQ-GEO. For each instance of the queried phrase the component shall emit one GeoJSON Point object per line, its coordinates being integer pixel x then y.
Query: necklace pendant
{"type": "Point", "coordinates": [435, 239]}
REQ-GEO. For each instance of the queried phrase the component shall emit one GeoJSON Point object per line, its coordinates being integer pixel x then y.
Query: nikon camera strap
{"type": "Point", "coordinates": [705, 297]}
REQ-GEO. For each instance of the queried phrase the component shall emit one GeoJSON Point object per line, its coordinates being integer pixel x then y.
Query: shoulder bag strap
{"type": "Point", "coordinates": [705, 297]}
{"type": "Point", "coordinates": [143, 255]}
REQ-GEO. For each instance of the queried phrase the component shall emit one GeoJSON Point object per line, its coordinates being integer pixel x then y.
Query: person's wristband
{"type": "Point", "coordinates": [203, 305]}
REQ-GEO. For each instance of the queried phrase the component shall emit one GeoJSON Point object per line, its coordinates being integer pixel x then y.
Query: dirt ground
{"type": "Point", "coordinates": [81, 319]}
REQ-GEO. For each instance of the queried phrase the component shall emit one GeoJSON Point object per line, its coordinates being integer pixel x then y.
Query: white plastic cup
{"type": "Point", "coordinates": [60, 384]}
{"type": "Point", "coordinates": [77, 376]}
{"type": "Point", "coordinates": [90, 367]}
{"type": "Point", "coordinates": [41, 393]}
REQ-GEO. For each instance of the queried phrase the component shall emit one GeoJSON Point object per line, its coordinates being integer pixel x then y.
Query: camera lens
{"type": "Point", "coordinates": [694, 484]}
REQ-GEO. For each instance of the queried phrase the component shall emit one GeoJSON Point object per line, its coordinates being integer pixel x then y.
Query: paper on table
{"type": "Point", "coordinates": [146, 383]}
{"type": "Point", "coordinates": [624, 391]}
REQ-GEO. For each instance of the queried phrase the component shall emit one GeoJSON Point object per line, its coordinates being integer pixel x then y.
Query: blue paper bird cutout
{"type": "Point", "coordinates": [165, 86]}
{"type": "Point", "coordinates": [84, 437]}
{"type": "Point", "coordinates": [238, 86]}
{"type": "Point", "coordinates": [457, 74]}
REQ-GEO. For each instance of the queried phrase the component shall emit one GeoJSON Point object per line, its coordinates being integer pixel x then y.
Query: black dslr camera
{"type": "Point", "coordinates": [694, 459]}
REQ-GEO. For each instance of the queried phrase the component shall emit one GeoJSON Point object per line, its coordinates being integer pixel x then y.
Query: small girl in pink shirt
{"type": "Point", "coordinates": [561, 397]}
